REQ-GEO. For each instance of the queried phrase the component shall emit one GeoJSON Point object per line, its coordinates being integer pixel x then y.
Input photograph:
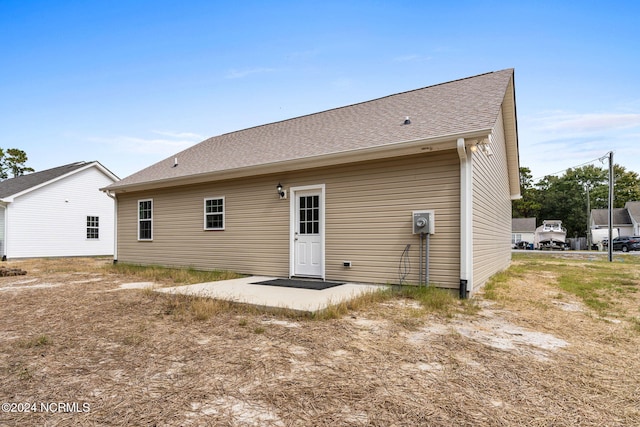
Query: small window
{"type": "Point", "coordinates": [93, 227]}
{"type": "Point", "coordinates": [145, 219]}
{"type": "Point", "coordinates": [214, 214]}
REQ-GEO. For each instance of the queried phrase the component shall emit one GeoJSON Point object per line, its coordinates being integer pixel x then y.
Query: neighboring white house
{"type": "Point", "coordinates": [522, 230]}
{"type": "Point", "coordinates": [57, 212]}
{"type": "Point", "coordinates": [633, 208]}
{"type": "Point", "coordinates": [622, 224]}
{"type": "Point", "coordinates": [626, 222]}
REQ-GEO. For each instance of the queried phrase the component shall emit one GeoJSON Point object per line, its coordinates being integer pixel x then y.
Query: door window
{"type": "Point", "coordinates": [309, 215]}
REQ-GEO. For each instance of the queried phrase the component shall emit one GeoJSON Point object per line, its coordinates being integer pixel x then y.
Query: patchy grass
{"type": "Point", "coordinates": [603, 286]}
{"type": "Point", "coordinates": [394, 358]}
{"type": "Point", "coordinates": [495, 288]}
{"type": "Point", "coordinates": [172, 276]}
{"type": "Point", "coordinates": [39, 341]}
{"type": "Point", "coordinates": [431, 299]}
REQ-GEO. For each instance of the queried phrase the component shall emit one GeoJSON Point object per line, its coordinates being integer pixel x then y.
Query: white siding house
{"type": "Point", "coordinates": [523, 230]}
{"type": "Point", "coordinates": [57, 212]}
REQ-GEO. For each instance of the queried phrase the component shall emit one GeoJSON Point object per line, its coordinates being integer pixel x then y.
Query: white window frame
{"type": "Point", "coordinates": [224, 206]}
{"type": "Point", "coordinates": [95, 219]}
{"type": "Point", "coordinates": [145, 219]}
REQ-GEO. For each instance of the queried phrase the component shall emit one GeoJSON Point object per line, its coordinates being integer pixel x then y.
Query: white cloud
{"type": "Point", "coordinates": [172, 143]}
{"type": "Point", "coordinates": [584, 123]}
{"type": "Point", "coordinates": [411, 58]}
{"type": "Point", "coordinates": [187, 135]}
{"type": "Point", "coordinates": [342, 82]}
{"type": "Point", "coordinates": [238, 74]}
{"type": "Point", "coordinates": [556, 140]}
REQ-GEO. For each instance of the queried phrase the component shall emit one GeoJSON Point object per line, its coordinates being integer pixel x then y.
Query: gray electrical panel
{"type": "Point", "coordinates": [423, 222]}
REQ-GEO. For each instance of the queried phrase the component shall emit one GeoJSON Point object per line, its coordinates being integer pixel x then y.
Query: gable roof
{"type": "Point", "coordinates": [634, 210]}
{"type": "Point", "coordinates": [600, 217]}
{"type": "Point", "coordinates": [21, 184]}
{"type": "Point", "coordinates": [441, 113]}
{"type": "Point", "coordinates": [523, 225]}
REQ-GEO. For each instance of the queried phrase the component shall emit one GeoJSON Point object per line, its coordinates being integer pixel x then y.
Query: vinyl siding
{"type": "Point", "coordinates": [52, 220]}
{"type": "Point", "coordinates": [367, 211]}
{"type": "Point", "coordinates": [491, 210]}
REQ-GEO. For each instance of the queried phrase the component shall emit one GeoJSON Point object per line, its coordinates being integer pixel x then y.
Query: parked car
{"type": "Point", "coordinates": [626, 243]}
{"type": "Point", "coordinates": [523, 245]}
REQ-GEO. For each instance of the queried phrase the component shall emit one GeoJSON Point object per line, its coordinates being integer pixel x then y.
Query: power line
{"type": "Point", "coordinates": [601, 158]}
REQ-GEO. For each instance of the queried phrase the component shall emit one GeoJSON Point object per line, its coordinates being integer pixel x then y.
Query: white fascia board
{"type": "Point", "coordinates": [51, 181]}
{"type": "Point", "coordinates": [105, 171]}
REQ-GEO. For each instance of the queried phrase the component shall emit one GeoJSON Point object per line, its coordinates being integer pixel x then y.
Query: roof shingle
{"type": "Point", "coordinates": [456, 107]}
{"type": "Point", "coordinates": [523, 225]}
{"type": "Point", "coordinates": [600, 217]}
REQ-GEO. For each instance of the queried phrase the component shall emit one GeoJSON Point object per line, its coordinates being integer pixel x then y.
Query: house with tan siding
{"type": "Point", "coordinates": [332, 195]}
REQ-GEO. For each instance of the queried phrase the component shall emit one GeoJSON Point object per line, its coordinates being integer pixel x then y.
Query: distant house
{"type": "Point", "coordinates": [633, 209]}
{"type": "Point", "coordinates": [522, 230]}
{"type": "Point", "coordinates": [57, 212]}
{"type": "Point", "coordinates": [622, 223]}
{"type": "Point", "coordinates": [332, 195]}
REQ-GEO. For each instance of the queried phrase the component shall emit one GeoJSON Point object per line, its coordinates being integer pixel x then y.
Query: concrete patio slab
{"type": "Point", "coordinates": [244, 291]}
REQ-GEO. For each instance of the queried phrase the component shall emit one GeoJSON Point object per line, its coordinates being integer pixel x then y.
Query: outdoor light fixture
{"type": "Point", "coordinates": [483, 146]}
{"type": "Point", "coordinates": [282, 193]}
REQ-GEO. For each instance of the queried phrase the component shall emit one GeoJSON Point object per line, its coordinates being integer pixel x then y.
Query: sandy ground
{"type": "Point", "coordinates": [82, 346]}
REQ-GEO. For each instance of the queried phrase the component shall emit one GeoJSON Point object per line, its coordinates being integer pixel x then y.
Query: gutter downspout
{"type": "Point", "coordinates": [115, 225]}
{"type": "Point", "coordinates": [4, 205]}
{"type": "Point", "coordinates": [466, 217]}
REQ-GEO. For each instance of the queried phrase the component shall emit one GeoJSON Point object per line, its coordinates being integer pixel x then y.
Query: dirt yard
{"type": "Point", "coordinates": [81, 345]}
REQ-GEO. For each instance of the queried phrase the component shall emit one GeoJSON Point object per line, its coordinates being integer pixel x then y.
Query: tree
{"type": "Point", "coordinates": [13, 161]}
{"type": "Point", "coordinates": [565, 197]}
{"type": "Point", "coordinates": [528, 206]}
{"type": "Point", "coordinates": [627, 186]}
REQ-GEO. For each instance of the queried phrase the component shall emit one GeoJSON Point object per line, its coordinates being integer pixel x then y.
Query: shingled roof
{"type": "Point", "coordinates": [523, 225]}
{"type": "Point", "coordinates": [448, 110]}
{"type": "Point", "coordinates": [13, 186]}
{"type": "Point", "coordinates": [634, 210]}
{"type": "Point", "coordinates": [600, 217]}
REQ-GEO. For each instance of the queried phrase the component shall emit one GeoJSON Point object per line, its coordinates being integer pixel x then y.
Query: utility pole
{"type": "Point", "coordinates": [586, 187]}
{"type": "Point", "coordinates": [610, 206]}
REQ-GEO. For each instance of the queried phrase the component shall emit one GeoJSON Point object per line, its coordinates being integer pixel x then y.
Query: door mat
{"type": "Point", "coordinates": [300, 284]}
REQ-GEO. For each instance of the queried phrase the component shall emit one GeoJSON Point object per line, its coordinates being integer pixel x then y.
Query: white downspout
{"type": "Point", "coordinates": [5, 251]}
{"type": "Point", "coordinates": [466, 220]}
{"type": "Point", "coordinates": [115, 225]}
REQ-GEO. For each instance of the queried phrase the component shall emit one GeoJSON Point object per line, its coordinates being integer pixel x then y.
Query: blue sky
{"type": "Point", "coordinates": [130, 83]}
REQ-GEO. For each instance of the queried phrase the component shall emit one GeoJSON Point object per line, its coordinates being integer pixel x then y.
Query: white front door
{"type": "Point", "coordinates": [308, 245]}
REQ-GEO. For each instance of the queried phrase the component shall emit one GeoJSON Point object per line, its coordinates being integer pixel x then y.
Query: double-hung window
{"type": "Point", "coordinates": [145, 219]}
{"type": "Point", "coordinates": [214, 213]}
{"type": "Point", "coordinates": [93, 227]}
